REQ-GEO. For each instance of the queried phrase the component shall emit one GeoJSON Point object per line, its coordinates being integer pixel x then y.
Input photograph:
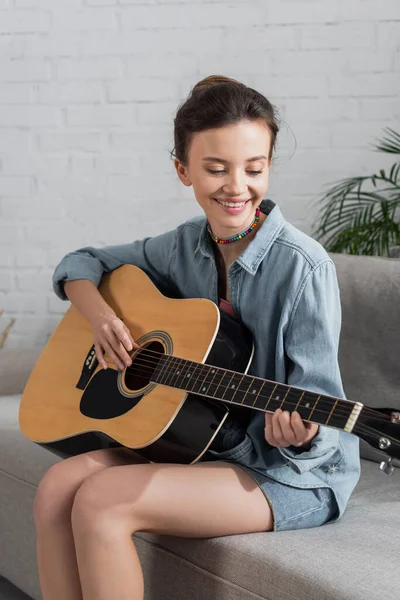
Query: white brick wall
{"type": "Point", "coordinates": [88, 92]}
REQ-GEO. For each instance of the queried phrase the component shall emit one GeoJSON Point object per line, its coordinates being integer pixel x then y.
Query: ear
{"type": "Point", "coordinates": [182, 173]}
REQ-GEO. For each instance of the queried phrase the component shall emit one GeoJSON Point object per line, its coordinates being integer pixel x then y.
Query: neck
{"type": "Point", "coordinates": [230, 252]}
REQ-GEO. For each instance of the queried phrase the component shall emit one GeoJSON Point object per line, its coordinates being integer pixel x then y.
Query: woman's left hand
{"type": "Point", "coordinates": [283, 429]}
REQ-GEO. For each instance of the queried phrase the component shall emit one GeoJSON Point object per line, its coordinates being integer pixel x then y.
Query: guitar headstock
{"type": "Point", "coordinates": [380, 427]}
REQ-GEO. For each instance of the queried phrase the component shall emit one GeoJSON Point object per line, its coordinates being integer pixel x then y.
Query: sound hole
{"type": "Point", "coordinates": [144, 362]}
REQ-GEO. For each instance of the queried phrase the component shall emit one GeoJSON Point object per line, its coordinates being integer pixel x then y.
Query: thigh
{"type": "Point", "coordinates": [200, 500]}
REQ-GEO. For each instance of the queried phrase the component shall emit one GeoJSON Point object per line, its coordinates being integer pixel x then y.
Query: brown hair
{"type": "Point", "coordinates": [217, 101]}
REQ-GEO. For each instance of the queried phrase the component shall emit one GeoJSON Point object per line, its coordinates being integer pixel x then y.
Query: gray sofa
{"type": "Point", "coordinates": [357, 558]}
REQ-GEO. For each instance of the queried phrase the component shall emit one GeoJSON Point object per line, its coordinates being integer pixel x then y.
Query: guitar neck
{"type": "Point", "coordinates": [254, 392]}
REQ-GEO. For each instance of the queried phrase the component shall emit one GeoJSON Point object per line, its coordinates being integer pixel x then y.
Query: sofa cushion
{"type": "Point", "coordinates": [353, 559]}
{"type": "Point", "coordinates": [15, 367]}
{"type": "Point", "coordinates": [370, 338]}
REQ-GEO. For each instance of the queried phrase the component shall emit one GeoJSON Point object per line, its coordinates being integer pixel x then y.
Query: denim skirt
{"type": "Point", "coordinates": [291, 507]}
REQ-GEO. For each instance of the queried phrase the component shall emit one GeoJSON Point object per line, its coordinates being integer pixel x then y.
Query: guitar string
{"type": "Point", "coordinates": [361, 427]}
{"type": "Point", "coordinates": [342, 411]}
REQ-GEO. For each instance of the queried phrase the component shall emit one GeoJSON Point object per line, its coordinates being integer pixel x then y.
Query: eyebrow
{"type": "Point", "coordinates": [216, 159]}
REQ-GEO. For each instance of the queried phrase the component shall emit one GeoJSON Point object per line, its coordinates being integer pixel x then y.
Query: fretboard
{"type": "Point", "coordinates": [252, 392]}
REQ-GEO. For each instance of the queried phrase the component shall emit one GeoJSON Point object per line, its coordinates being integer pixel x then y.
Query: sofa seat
{"type": "Point", "coordinates": [353, 559]}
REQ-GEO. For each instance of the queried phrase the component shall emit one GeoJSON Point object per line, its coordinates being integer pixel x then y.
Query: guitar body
{"type": "Point", "coordinates": [70, 405]}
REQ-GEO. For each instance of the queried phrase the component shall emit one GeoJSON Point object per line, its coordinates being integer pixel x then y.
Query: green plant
{"type": "Point", "coordinates": [360, 215]}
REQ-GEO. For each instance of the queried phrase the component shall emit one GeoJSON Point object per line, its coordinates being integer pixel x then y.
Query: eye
{"type": "Point", "coordinates": [218, 172]}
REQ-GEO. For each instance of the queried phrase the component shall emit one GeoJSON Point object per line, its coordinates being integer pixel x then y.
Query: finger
{"type": "Point", "coordinates": [268, 429]}
{"type": "Point", "coordinates": [301, 433]}
{"type": "Point", "coordinates": [116, 360]}
{"type": "Point", "coordinates": [100, 355]}
{"type": "Point", "coordinates": [122, 333]}
{"type": "Point", "coordinates": [128, 333]}
{"type": "Point", "coordinates": [119, 348]}
{"type": "Point", "coordinates": [277, 430]}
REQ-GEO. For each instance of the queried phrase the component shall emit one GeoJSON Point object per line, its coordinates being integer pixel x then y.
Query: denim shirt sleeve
{"type": "Point", "coordinates": [312, 344]}
{"type": "Point", "coordinates": [152, 254]}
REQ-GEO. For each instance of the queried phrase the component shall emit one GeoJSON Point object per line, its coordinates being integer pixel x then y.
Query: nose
{"type": "Point", "coordinates": [235, 183]}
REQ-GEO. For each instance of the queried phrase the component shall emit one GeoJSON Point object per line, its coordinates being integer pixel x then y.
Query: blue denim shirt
{"type": "Point", "coordinates": [284, 289]}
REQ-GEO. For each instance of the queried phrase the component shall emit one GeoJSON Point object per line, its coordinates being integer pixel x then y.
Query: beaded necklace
{"type": "Point", "coordinates": [236, 237]}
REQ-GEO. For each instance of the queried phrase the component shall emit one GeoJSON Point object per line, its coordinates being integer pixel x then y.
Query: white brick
{"type": "Point", "coordinates": [364, 84]}
{"type": "Point", "coordinates": [319, 109]}
{"type": "Point", "coordinates": [317, 136]}
{"type": "Point", "coordinates": [24, 21]}
{"type": "Point", "coordinates": [25, 70]}
{"type": "Point", "coordinates": [14, 140]}
{"type": "Point", "coordinates": [10, 231]}
{"type": "Point", "coordinates": [263, 38]}
{"type": "Point", "coordinates": [100, 116]}
{"type": "Point", "coordinates": [55, 306]}
{"type": "Point", "coordinates": [298, 86]}
{"type": "Point", "coordinates": [15, 303]}
{"type": "Point", "coordinates": [30, 256]}
{"type": "Point", "coordinates": [375, 108]}
{"type": "Point", "coordinates": [337, 36]}
{"type": "Point", "coordinates": [388, 34]}
{"type": "Point", "coordinates": [143, 42]}
{"type": "Point", "coordinates": [192, 15]}
{"type": "Point", "coordinates": [6, 257]}
{"type": "Point", "coordinates": [32, 280]}
{"type": "Point", "coordinates": [52, 45]}
{"type": "Point", "coordinates": [307, 62]}
{"type": "Point", "coordinates": [6, 281]}
{"type": "Point", "coordinates": [47, 3]}
{"type": "Point", "coordinates": [101, 2]}
{"type": "Point", "coordinates": [88, 92]}
{"type": "Point", "coordinates": [356, 135]}
{"type": "Point", "coordinates": [82, 20]}
{"type": "Point", "coordinates": [29, 116]}
{"type": "Point", "coordinates": [68, 141]}
{"type": "Point", "coordinates": [16, 93]}
{"type": "Point", "coordinates": [143, 90]}
{"type": "Point", "coordinates": [70, 68]}
{"type": "Point", "coordinates": [34, 164]}
{"type": "Point", "coordinates": [15, 186]}
{"type": "Point", "coordinates": [367, 61]}
{"type": "Point", "coordinates": [12, 46]}
{"type": "Point", "coordinates": [49, 206]}
{"type": "Point", "coordinates": [156, 113]}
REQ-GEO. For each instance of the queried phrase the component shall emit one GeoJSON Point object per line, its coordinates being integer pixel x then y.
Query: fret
{"type": "Point", "coordinates": [188, 372]}
{"type": "Point", "coordinates": [274, 400]}
{"type": "Point", "coordinates": [173, 371]}
{"type": "Point", "coordinates": [223, 384]}
{"type": "Point", "coordinates": [232, 388]}
{"type": "Point", "coordinates": [252, 392]}
{"type": "Point", "coordinates": [239, 394]}
{"type": "Point", "coordinates": [166, 362]}
{"type": "Point", "coordinates": [215, 382]}
{"type": "Point", "coordinates": [199, 378]}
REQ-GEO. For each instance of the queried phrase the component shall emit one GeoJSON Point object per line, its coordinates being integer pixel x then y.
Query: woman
{"type": "Point", "coordinates": [267, 473]}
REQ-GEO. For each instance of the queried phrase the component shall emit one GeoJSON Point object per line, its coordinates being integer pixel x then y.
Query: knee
{"type": "Point", "coordinates": [52, 494]}
{"type": "Point", "coordinates": [91, 513]}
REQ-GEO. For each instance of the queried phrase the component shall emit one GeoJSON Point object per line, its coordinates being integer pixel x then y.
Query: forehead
{"type": "Point", "coordinates": [232, 143]}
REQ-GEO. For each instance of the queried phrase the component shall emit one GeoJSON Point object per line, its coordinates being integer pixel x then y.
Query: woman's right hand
{"type": "Point", "coordinates": [111, 336]}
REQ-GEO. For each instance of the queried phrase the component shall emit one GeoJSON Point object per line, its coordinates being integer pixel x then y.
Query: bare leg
{"type": "Point", "coordinates": [201, 500]}
{"type": "Point", "coordinates": [58, 570]}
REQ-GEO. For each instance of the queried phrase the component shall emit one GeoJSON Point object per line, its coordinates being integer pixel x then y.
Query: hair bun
{"type": "Point", "coordinates": [213, 80]}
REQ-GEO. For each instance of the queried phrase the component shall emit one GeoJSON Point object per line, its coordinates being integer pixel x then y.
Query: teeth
{"type": "Point", "coordinates": [232, 204]}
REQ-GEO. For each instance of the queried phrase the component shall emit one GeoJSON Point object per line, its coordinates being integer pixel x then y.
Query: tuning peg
{"type": "Point", "coordinates": [395, 417]}
{"type": "Point", "coordinates": [387, 467]}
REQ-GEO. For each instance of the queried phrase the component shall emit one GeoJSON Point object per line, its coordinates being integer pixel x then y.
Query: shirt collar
{"type": "Point", "coordinates": [252, 256]}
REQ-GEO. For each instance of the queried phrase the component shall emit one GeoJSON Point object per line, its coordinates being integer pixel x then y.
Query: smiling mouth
{"type": "Point", "coordinates": [231, 204]}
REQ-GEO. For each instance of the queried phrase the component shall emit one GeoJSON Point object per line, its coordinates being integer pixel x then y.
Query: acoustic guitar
{"type": "Point", "coordinates": [190, 368]}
